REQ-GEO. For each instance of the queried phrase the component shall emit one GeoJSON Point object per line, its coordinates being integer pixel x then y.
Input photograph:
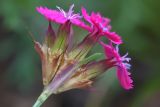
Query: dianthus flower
{"type": "Point", "coordinates": [60, 16]}
{"type": "Point", "coordinates": [102, 25]}
{"type": "Point", "coordinates": [64, 65]}
{"type": "Point", "coordinates": [122, 65]}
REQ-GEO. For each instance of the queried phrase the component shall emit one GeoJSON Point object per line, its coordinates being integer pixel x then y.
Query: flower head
{"type": "Point", "coordinates": [122, 65]}
{"type": "Point", "coordinates": [64, 63]}
{"type": "Point", "coordinates": [102, 25]}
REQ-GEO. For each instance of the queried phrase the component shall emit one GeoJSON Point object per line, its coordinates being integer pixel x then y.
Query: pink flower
{"type": "Point", "coordinates": [122, 65]}
{"type": "Point", "coordinates": [102, 25]}
{"type": "Point", "coordinates": [60, 16]}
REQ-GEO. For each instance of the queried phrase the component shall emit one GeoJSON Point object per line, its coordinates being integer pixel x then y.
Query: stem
{"type": "Point", "coordinates": [41, 99]}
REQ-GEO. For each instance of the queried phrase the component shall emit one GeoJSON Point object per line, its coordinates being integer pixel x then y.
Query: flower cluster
{"type": "Point", "coordinates": [65, 66]}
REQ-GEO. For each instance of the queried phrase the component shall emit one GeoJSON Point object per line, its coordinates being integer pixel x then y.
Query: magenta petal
{"type": "Point", "coordinates": [81, 24]}
{"type": "Point", "coordinates": [85, 15]}
{"type": "Point", "coordinates": [106, 22]}
{"type": "Point", "coordinates": [109, 52]}
{"type": "Point", "coordinates": [115, 38]}
{"type": "Point", "coordinates": [124, 78]}
{"type": "Point", "coordinates": [52, 15]}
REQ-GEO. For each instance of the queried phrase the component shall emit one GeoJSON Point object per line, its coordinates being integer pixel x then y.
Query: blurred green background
{"type": "Point", "coordinates": [137, 21]}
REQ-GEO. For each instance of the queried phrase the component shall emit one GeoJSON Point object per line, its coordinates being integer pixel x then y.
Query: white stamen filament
{"type": "Point", "coordinates": [69, 14]}
{"type": "Point", "coordinates": [127, 65]}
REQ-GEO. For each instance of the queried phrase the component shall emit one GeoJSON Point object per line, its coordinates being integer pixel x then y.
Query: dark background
{"type": "Point", "coordinates": [137, 21]}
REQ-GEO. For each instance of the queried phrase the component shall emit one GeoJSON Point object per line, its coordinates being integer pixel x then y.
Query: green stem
{"type": "Point", "coordinates": [41, 99]}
